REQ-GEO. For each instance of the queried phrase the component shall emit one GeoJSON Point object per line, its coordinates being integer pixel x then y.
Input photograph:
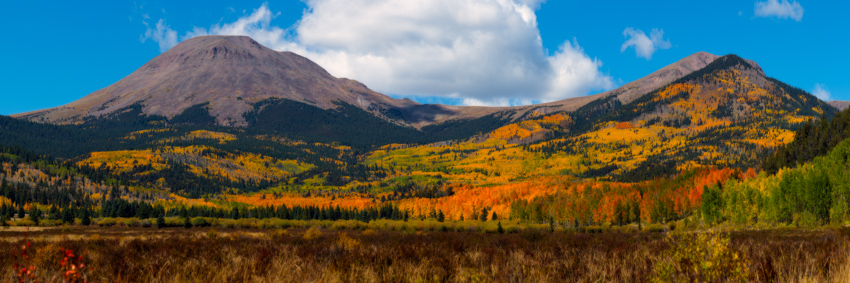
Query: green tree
{"type": "Point", "coordinates": [35, 215]}
{"type": "Point", "coordinates": [712, 203]}
{"type": "Point", "coordinates": [635, 213]}
{"type": "Point", "coordinates": [68, 215]}
{"type": "Point", "coordinates": [499, 228]}
{"type": "Point", "coordinates": [21, 212]}
{"type": "Point", "coordinates": [234, 213]}
{"type": "Point", "coordinates": [440, 216]}
{"type": "Point", "coordinates": [160, 220]}
{"type": "Point", "coordinates": [819, 195]}
{"type": "Point", "coordinates": [53, 213]}
{"type": "Point", "coordinates": [85, 219]}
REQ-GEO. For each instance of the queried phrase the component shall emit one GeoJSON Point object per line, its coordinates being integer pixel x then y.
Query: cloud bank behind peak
{"type": "Point", "coordinates": [481, 52]}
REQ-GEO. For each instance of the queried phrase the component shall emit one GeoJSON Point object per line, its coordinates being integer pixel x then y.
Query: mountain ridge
{"type": "Point", "coordinates": [840, 105]}
{"type": "Point", "coordinates": [701, 111]}
{"type": "Point", "coordinates": [232, 73]}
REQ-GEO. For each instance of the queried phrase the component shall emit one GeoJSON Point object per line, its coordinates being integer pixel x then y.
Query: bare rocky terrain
{"type": "Point", "coordinates": [841, 105]}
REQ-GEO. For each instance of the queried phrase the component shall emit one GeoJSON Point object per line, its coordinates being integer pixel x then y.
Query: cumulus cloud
{"type": "Point", "coordinates": [779, 9]}
{"type": "Point", "coordinates": [820, 91]}
{"type": "Point", "coordinates": [257, 25]}
{"type": "Point", "coordinates": [644, 45]}
{"type": "Point", "coordinates": [161, 34]}
{"type": "Point", "coordinates": [480, 52]}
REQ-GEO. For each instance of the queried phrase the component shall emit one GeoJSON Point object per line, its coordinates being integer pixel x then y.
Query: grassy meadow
{"type": "Point", "coordinates": [419, 251]}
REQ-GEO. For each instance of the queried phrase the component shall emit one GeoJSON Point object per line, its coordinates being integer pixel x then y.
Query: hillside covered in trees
{"type": "Point", "coordinates": [709, 146]}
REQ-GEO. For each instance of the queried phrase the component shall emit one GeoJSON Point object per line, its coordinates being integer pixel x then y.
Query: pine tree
{"type": "Point", "coordinates": [160, 220]}
{"type": "Point", "coordinates": [53, 213]}
{"type": "Point", "coordinates": [68, 215]}
{"type": "Point", "coordinates": [21, 212]}
{"type": "Point", "coordinates": [85, 219]}
{"type": "Point", "coordinates": [499, 228]}
{"type": "Point", "coordinates": [183, 212]}
{"type": "Point", "coordinates": [440, 216]}
{"type": "Point", "coordinates": [234, 213]}
{"type": "Point", "coordinates": [35, 215]}
{"type": "Point", "coordinates": [494, 216]}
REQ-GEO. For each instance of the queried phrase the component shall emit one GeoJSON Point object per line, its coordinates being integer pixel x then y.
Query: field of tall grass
{"type": "Point", "coordinates": [215, 254]}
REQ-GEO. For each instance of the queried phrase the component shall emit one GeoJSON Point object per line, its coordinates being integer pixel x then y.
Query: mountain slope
{"type": "Point", "coordinates": [840, 105]}
{"type": "Point", "coordinates": [727, 114]}
{"type": "Point", "coordinates": [430, 114]}
{"type": "Point", "coordinates": [813, 139]}
{"type": "Point", "coordinates": [638, 88]}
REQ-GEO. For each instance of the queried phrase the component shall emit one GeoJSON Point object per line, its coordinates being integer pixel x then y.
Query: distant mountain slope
{"type": "Point", "coordinates": [626, 93]}
{"type": "Point", "coordinates": [840, 105]}
{"type": "Point", "coordinates": [726, 114]}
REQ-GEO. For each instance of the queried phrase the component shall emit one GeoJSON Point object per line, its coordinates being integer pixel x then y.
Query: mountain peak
{"type": "Point", "coordinates": [218, 46]}
{"type": "Point", "coordinates": [669, 73]}
{"type": "Point", "coordinates": [733, 60]}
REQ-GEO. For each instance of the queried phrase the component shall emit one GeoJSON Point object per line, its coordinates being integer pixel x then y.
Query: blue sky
{"type": "Point", "coordinates": [473, 52]}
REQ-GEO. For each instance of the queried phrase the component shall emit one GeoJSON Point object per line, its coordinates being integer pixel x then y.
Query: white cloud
{"type": "Point", "coordinates": [644, 45]}
{"type": "Point", "coordinates": [820, 91]}
{"type": "Point", "coordinates": [572, 68]}
{"type": "Point", "coordinates": [257, 25]}
{"type": "Point", "coordinates": [161, 34]}
{"type": "Point", "coordinates": [779, 9]}
{"type": "Point", "coordinates": [483, 52]}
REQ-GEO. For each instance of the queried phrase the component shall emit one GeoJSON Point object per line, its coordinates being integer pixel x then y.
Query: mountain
{"type": "Point", "coordinates": [230, 114]}
{"type": "Point", "coordinates": [227, 73]}
{"type": "Point", "coordinates": [840, 105]}
{"type": "Point", "coordinates": [223, 122]}
{"type": "Point", "coordinates": [642, 86]}
{"type": "Point", "coordinates": [727, 114]}
{"type": "Point", "coordinates": [229, 76]}
{"type": "Point", "coordinates": [235, 81]}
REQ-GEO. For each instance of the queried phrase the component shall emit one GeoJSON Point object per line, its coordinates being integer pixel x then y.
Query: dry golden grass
{"type": "Point", "coordinates": [297, 255]}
